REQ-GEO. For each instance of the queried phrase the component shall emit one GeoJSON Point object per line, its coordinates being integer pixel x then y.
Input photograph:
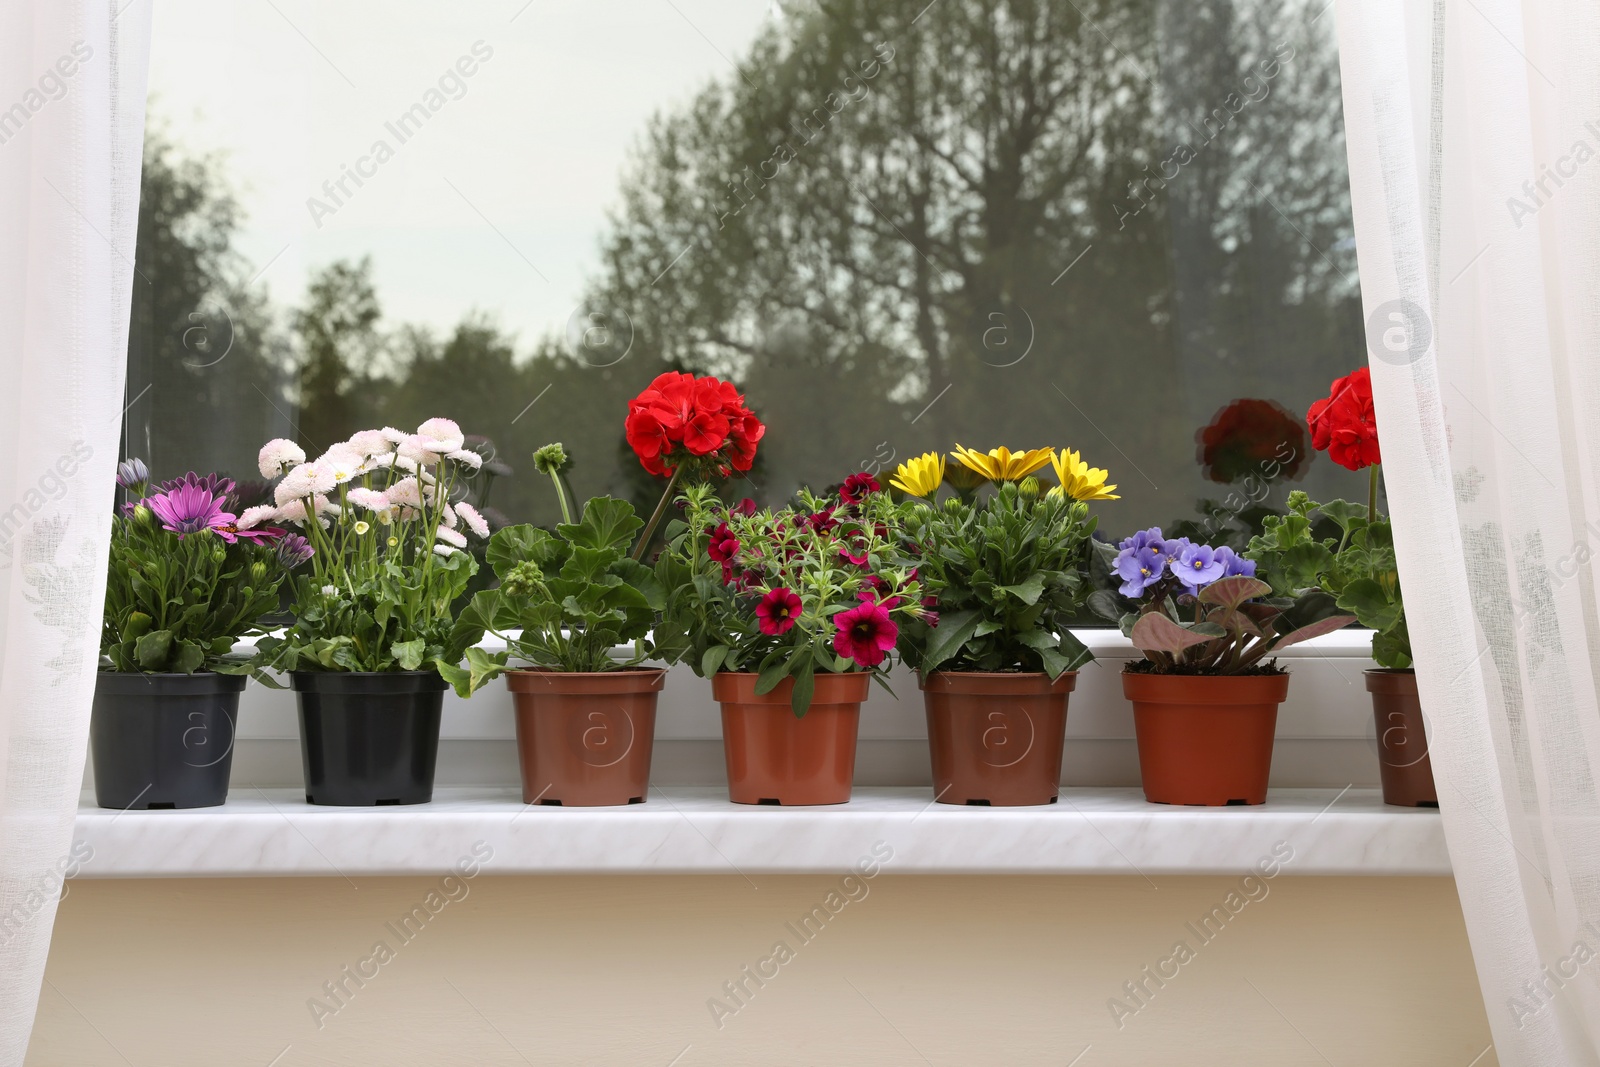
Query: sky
{"type": "Point", "coordinates": [496, 202]}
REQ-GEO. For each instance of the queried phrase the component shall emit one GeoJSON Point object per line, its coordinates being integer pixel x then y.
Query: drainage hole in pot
{"type": "Point", "coordinates": [978, 804]}
{"type": "Point", "coordinates": [1052, 800]}
{"type": "Point", "coordinates": [1428, 804]}
{"type": "Point", "coordinates": [636, 800]}
{"type": "Point", "coordinates": [551, 803]}
{"type": "Point", "coordinates": [387, 801]}
{"type": "Point", "coordinates": [1236, 802]}
{"type": "Point", "coordinates": [769, 800]}
{"type": "Point", "coordinates": [162, 805]}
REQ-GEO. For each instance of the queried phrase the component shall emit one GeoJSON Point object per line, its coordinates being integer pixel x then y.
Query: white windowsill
{"type": "Point", "coordinates": [695, 830]}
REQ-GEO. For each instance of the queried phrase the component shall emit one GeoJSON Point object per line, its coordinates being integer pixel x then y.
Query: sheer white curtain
{"type": "Point", "coordinates": [72, 87]}
{"type": "Point", "coordinates": [1474, 133]}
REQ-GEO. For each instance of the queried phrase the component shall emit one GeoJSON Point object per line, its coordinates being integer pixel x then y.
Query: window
{"type": "Point", "coordinates": [897, 225]}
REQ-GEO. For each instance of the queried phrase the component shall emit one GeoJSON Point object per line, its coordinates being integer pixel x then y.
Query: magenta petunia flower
{"type": "Point", "coordinates": [865, 633]}
{"type": "Point", "coordinates": [857, 486]}
{"type": "Point", "coordinates": [777, 611]}
{"type": "Point", "coordinates": [723, 544]}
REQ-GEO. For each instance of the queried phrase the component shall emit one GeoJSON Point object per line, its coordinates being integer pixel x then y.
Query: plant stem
{"type": "Point", "coordinates": [1372, 495]}
{"type": "Point", "coordinates": [561, 497]}
{"type": "Point", "coordinates": [655, 517]}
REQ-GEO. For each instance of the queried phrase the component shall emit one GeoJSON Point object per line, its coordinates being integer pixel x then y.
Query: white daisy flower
{"type": "Point", "coordinates": [330, 590]}
{"type": "Point", "coordinates": [450, 536]}
{"type": "Point", "coordinates": [417, 450]}
{"type": "Point", "coordinates": [450, 519]}
{"type": "Point", "coordinates": [371, 443]}
{"type": "Point", "coordinates": [405, 492]}
{"type": "Point", "coordinates": [466, 457]}
{"type": "Point", "coordinates": [441, 435]}
{"type": "Point", "coordinates": [444, 550]}
{"type": "Point", "coordinates": [255, 516]}
{"type": "Point", "coordinates": [475, 521]}
{"type": "Point", "coordinates": [392, 435]}
{"type": "Point", "coordinates": [370, 499]}
{"type": "Point", "coordinates": [303, 481]}
{"type": "Point", "coordinates": [343, 462]}
{"type": "Point", "coordinates": [279, 455]}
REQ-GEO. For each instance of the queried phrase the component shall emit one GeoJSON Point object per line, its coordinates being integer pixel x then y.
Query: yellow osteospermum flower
{"type": "Point", "coordinates": [1079, 480]}
{"type": "Point", "coordinates": [1001, 464]}
{"type": "Point", "coordinates": [921, 476]}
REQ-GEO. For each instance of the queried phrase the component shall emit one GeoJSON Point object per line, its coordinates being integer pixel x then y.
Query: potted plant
{"type": "Point", "coordinates": [373, 626]}
{"type": "Point", "coordinates": [184, 584]}
{"type": "Point", "coordinates": [1205, 696]}
{"type": "Point", "coordinates": [791, 614]}
{"type": "Point", "coordinates": [1358, 569]}
{"type": "Point", "coordinates": [997, 661]}
{"type": "Point", "coordinates": [565, 602]}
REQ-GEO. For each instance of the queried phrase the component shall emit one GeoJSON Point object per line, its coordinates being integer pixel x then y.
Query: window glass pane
{"type": "Point", "coordinates": [896, 225]}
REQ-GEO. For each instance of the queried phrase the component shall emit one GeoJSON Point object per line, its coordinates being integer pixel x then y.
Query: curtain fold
{"type": "Point", "coordinates": [1474, 139]}
{"type": "Point", "coordinates": [72, 93]}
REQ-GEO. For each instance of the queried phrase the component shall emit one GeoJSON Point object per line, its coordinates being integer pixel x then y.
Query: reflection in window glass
{"type": "Point", "coordinates": [1121, 226]}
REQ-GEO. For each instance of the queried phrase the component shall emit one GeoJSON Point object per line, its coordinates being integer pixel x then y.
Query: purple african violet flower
{"type": "Point", "coordinates": [1235, 565]}
{"type": "Point", "coordinates": [1173, 548]}
{"type": "Point", "coordinates": [1197, 566]}
{"type": "Point", "coordinates": [1139, 568]}
{"type": "Point", "coordinates": [294, 550]}
{"type": "Point", "coordinates": [1141, 540]}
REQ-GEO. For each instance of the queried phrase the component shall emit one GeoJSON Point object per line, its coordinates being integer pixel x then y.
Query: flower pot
{"type": "Point", "coordinates": [775, 758]}
{"type": "Point", "coordinates": [163, 740]}
{"type": "Point", "coordinates": [1205, 740]}
{"type": "Point", "coordinates": [996, 738]}
{"type": "Point", "coordinates": [585, 739]}
{"type": "Point", "coordinates": [1403, 762]}
{"type": "Point", "coordinates": [369, 738]}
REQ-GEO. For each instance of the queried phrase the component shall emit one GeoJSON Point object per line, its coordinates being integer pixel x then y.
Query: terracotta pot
{"type": "Point", "coordinates": [1205, 740]}
{"type": "Point", "coordinates": [1403, 762]}
{"type": "Point", "coordinates": [585, 740]}
{"type": "Point", "coordinates": [996, 738]}
{"type": "Point", "coordinates": [775, 758]}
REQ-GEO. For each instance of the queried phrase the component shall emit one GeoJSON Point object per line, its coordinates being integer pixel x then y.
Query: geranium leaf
{"type": "Point", "coordinates": [606, 523]}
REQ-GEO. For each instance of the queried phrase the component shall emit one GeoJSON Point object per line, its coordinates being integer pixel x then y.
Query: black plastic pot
{"type": "Point", "coordinates": [369, 738]}
{"type": "Point", "coordinates": [163, 740]}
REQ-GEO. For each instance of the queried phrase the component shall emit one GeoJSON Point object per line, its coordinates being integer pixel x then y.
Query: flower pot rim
{"type": "Point", "coordinates": [401, 681]}
{"type": "Point", "coordinates": [725, 686]}
{"type": "Point", "coordinates": [599, 683]}
{"type": "Point", "coordinates": [1217, 689]}
{"type": "Point", "coordinates": [1000, 683]}
{"type": "Point", "coordinates": [128, 683]}
{"type": "Point", "coordinates": [1395, 680]}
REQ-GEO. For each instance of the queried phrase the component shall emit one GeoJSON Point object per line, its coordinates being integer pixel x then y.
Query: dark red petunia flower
{"type": "Point", "coordinates": [857, 486]}
{"type": "Point", "coordinates": [777, 611]}
{"type": "Point", "coordinates": [723, 545]}
{"type": "Point", "coordinates": [865, 633]}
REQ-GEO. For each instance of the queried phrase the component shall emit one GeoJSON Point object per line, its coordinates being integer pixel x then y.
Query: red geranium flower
{"type": "Point", "coordinates": [1345, 425]}
{"type": "Point", "coordinates": [865, 633]}
{"type": "Point", "coordinates": [857, 486]}
{"type": "Point", "coordinates": [1252, 436]}
{"type": "Point", "coordinates": [777, 611]}
{"type": "Point", "coordinates": [681, 417]}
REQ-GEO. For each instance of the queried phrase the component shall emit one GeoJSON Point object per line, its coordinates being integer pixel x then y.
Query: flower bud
{"type": "Point", "coordinates": [1029, 488]}
{"type": "Point", "coordinates": [141, 514]}
{"type": "Point", "coordinates": [258, 572]}
{"type": "Point", "coordinates": [550, 459]}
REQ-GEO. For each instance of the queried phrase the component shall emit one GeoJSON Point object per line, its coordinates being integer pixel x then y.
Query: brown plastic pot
{"type": "Point", "coordinates": [1403, 762]}
{"type": "Point", "coordinates": [584, 740]}
{"type": "Point", "coordinates": [774, 757]}
{"type": "Point", "coordinates": [996, 739]}
{"type": "Point", "coordinates": [1205, 740]}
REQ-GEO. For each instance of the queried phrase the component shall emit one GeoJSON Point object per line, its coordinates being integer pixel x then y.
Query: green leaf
{"type": "Point", "coordinates": [607, 523]}
{"type": "Point", "coordinates": [1155, 632]}
{"type": "Point", "coordinates": [1347, 515]}
{"type": "Point", "coordinates": [409, 653]}
{"type": "Point", "coordinates": [137, 626]}
{"type": "Point", "coordinates": [1371, 605]}
{"type": "Point", "coordinates": [151, 650]}
{"type": "Point", "coordinates": [772, 674]}
{"type": "Point", "coordinates": [518, 544]}
{"type": "Point", "coordinates": [949, 637]}
{"type": "Point", "coordinates": [1028, 590]}
{"type": "Point", "coordinates": [189, 658]}
{"type": "Point", "coordinates": [481, 668]}
{"type": "Point", "coordinates": [712, 661]}
{"type": "Point", "coordinates": [804, 685]}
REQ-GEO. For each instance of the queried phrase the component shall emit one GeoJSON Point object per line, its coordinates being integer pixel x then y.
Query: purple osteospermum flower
{"type": "Point", "coordinates": [132, 474]}
{"type": "Point", "coordinates": [1235, 565]}
{"type": "Point", "coordinates": [1197, 566]}
{"type": "Point", "coordinates": [294, 550]}
{"type": "Point", "coordinates": [189, 509]}
{"type": "Point", "coordinates": [217, 485]}
{"type": "Point", "coordinates": [1139, 568]}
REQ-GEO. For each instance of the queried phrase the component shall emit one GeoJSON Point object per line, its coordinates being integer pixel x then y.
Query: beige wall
{"type": "Point", "coordinates": [617, 971]}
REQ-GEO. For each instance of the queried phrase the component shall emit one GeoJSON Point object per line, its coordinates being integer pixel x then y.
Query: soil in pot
{"type": "Point", "coordinates": [1205, 740]}
{"type": "Point", "coordinates": [163, 740]}
{"type": "Point", "coordinates": [369, 738]}
{"type": "Point", "coordinates": [585, 739]}
{"type": "Point", "coordinates": [774, 757]}
{"type": "Point", "coordinates": [1402, 739]}
{"type": "Point", "coordinates": [996, 739]}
